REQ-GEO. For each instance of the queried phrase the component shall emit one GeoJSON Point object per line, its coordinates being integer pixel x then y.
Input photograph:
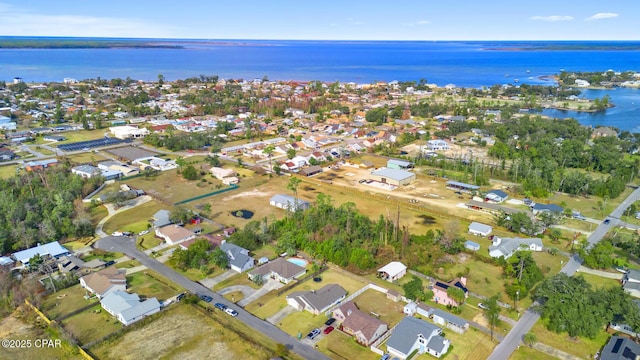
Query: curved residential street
{"type": "Point", "coordinates": [127, 246]}
{"type": "Point", "coordinates": [513, 339]}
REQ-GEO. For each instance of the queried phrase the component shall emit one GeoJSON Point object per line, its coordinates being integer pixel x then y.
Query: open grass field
{"type": "Point", "coordinates": [581, 347]}
{"type": "Point", "coordinates": [7, 171]}
{"type": "Point", "coordinates": [589, 206]}
{"type": "Point", "coordinates": [195, 274]}
{"type": "Point", "coordinates": [21, 326]}
{"type": "Point", "coordinates": [599, 282]}
{"type": "Point", "coordinates": [339, 345]}
{"type": "Point", "coordinates": [375, 302]}
{"type": "Point", "coordinates": [180, 333]}
{"type": "Point", "coordinates": [128, 264]}
{"type": "Point", "coordinates": [482, 278]}
{"type": "Point", "coordinates": [87, 157]}
{"type": "Point", "coordinates": [527, 353]}
{"type": "Point", "coordinates": [64, 301]}
{"type": "Point", "coordinates": [237, 279]}
{"type": "Point", "coordinates": [148, 241]}
{"type": "Point", "coordinates": [134, 220]}
{"type": "Point", "coordinates": [151, 284]}
{"type": "Point", "coordinates": [91, 324]}
{"type": "Point", "coordinates": [172, 187]}
{"type": "Point", "coordinates": [472, 345]}
{"type": "Point", "coordinates": [270, 303]}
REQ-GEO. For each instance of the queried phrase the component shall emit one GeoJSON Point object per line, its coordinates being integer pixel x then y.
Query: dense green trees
{"type": "Point", "coordinates": [522, 274]}
{"type": "Point", "coordinates": [414, 290]}
{"type": "Point", "coordinates": [199, 256]}
{"type": "Point", "coordinates": [569, 304]}
{"type": "Point", "coordinates": [40, 207]}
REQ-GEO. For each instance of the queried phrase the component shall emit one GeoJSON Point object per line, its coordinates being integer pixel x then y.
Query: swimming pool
{"type": "Point", "coordinates": [298, 261]}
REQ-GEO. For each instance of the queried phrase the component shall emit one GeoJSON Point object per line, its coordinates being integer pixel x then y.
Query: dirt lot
{"type": "Point", "coordinates": [180, 333]}
{"type": "Point", "coordinates": [15, 327]}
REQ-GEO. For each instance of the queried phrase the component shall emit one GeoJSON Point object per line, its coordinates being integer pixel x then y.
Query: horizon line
{"type": "Point", "coordinates": [285, 39]}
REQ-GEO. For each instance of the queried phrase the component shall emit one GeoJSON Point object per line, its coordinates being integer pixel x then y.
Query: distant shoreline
{"type": "Point", "coordinates": [83, 44]}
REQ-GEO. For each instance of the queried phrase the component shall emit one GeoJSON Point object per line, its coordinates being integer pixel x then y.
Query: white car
{"type": "Point", "coordinates": [143, 232]}
{"type": "Point", "coordinates": [483, 306]}
{"type": "Point", "coordinates": [231, 312]}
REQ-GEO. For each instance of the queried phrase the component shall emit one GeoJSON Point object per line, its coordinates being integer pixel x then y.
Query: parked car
{"type": "Point", "coordinates": [127, 233]}
{"type": "Point", "coordinates": [180, 296]}
{"type": "Point", "coordinates": [328, 329]}
{"type": "Point", "coordinates": [483, 306]}
{"type": "Point", "coordinates": [143, 232]}
{"type": "Point", "coordinates": [607, 221]}
{"type": "Point", "coordinates": [330, 322]}
{"type": "Point", "coordinates": [206, 298]}
{"type": "Point", "coordinates": [312, 335]}
{"type": "Point", "coordinates": [221, 306]}
{"type": "Point", "coordinates": [109, 263]}
{"type": "Point", "coordinates": [579, 216]}
{"type": "Point", "coordinates": [385, 357]}
{"type": "Point", "coordinates": [362, 180]}
{"type": "Point", "coordinates": [231, 312]}
{"type": "Point", "coordinates": [117, 233]}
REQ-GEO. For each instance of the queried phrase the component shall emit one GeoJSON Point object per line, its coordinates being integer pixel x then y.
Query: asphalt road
{"type": "Point", "coordinates": [127, 246]}
{"type": "Point", "coordinates": [511, 342]}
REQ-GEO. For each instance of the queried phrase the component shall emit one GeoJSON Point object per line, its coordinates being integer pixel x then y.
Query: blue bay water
{"type": "Point", "coordinates": [468, 64]}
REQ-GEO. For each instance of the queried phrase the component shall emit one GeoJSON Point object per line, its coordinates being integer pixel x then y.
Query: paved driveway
{"type": "Point", "coordinates": [127, 246]}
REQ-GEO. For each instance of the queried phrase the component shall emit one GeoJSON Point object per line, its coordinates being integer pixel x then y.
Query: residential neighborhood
{"type": "Point", "coordinates": [337, 220]}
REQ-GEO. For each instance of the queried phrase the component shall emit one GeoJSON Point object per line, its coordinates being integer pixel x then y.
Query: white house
{"type": "Point", "coordinates": [175, 234]}
{"type": "Point", "coordinates": [239, 259]}
{"type": "Point", "coordinates": [128, 132]}
{"type": "Point", "coordinates": [279, 269]}
{"type": "Point", "coordinates": [435, 145]}
{"type": "Point", "coordinates": [476, 228]}
{"type": "Point", "coordinates": [392, 271]}
{"type": "Point", "coordinates": [287, 202]}
{"type": "Point", "coordinates": [508, 246]}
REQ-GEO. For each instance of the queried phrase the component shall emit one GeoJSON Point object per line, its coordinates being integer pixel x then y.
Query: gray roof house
{"type": "Point", "coordinates": [508, 246]}
{"type": "Point", "coordinates": [552, 208]}
{"type": "Point", "coordinates": [317, 301]}
{"type": "Point", "coordinates": [470, 245]}
{"type": "Point", "coordinates": [414, 334]}
{"type": "Point", "coordinates": [128, 308]}
{"type": "Point", "coordinates": [279, 269]}
{"type": "Point", "coordinates": [161, 218]}
{"type": "Point", "coordinates": [620, 348]}
{"type": "Point", "coordinates": [479, 229]}
{"type": "Point", "coordinates": [287, 202]}
{"type": "Point", "coordinates": [239, 259]}
{"type": "Point", "coordinates": [53, 249]}
{"type": "Point", "coordinates": [438, 316]}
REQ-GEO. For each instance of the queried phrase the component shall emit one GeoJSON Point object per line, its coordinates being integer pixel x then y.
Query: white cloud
{"type": "Point", "coordinates": [552, 18]}
{"type": "Point", "coordinates": [600, 16]}
{"type": "Point", "coordinates": [22, 22]}
{"type": "Point", "coordinates": [423, 22]}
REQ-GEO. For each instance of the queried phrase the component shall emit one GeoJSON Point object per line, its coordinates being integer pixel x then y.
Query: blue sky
{"type": "Point", "coordinates": [328, 19]}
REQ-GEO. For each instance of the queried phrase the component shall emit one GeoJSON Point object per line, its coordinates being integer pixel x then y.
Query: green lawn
{"type": "Point", "coordinates": [134, 220]}
{"type": "Point", "coordinates": [581, 347]}
{"type": "Point", "coordinates": [302, 321]}
{"type": "Point", "coordinates": [589, 206]}
{"type": "Point", "coordinates": [482, 278]}
{"type": "Point", "coordinates": [128, 264]}
{"type": "Point", "coordinates": [195, 274]}
{"type": "Point", "coordinates": [148, 241]}
{"type": "Point", "coordinates": [338, 345]}
{"type": "Point", "coordinates": [102, 255]}
{"type": "Point", "coordinates": [527, 353]}
{"type": "Point", "coordinates": [150, 284]}
{"type": "Point", "coordinates": [64, 301]}
{"type": "Point", "coordinates": [91, 324]}
{"type": "Point", "coordinates": [599, 282]}
{"type": "Point", "coordinates": [7, 171]}
{"type": "Point", "coordinates": [171, 186]}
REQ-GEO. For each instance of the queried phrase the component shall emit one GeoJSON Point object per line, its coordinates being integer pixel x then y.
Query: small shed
{"type": "Point", "coordinates": [471, 245]}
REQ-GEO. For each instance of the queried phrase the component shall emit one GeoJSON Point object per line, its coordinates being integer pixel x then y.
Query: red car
{"type": "Point", "coordinates": [328, 329]}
